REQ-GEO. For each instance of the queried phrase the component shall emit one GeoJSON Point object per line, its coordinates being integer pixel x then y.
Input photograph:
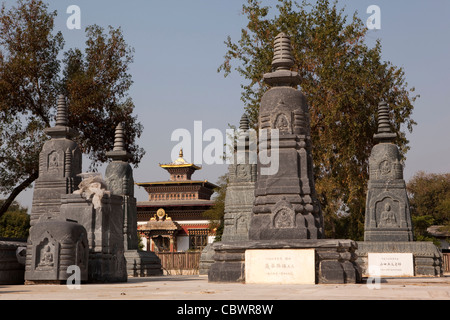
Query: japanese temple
{"type": "Point", "coordinates": [172, 219]}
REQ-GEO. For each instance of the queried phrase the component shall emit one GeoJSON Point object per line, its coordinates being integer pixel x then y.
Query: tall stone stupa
{"type": "Point", "coordinates": [286, 240]}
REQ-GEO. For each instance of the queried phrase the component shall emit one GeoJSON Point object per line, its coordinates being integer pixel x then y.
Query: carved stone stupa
{"type": "Point", "coordinates": [55, 242]}
{"type": "Point", "coordinates": [387, 209]}
{"type": "Point", "coordinates": [286, 205]}
{"type": "Point", "coordinates": [59, 166]}
{"type": "Point", "coordinates": [286, 213]}
{"type": "Point", "coordinates": [388, 225]}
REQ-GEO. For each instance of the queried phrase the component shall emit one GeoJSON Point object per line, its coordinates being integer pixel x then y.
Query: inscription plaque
{"type": "Point", "coordinates": [280, 266]}
{"type": "Point", "coordinates": [390, 265]}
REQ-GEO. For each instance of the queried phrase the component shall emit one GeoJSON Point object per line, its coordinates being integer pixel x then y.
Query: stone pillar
{"type": "Point", "coordinates": [240, 193]}
{"type": "Point", "coordinates": [119, 178]}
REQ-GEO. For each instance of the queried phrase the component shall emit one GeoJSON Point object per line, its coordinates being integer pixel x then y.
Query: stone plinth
{"type": "Point", "coordinates": [335, 260]}
{"type": "Point", "coordinates": [56, 245]}
{"type": "Point", "coordinates": [12, 271]}
{"type": "Point", "coordinates": [104, 226]}
{"type": "Point", "coordinates": [427, 258]}
{"type": "Point", "coordinates": [206, 259]}
{"type": "Point", "coordinates": [143, 263]}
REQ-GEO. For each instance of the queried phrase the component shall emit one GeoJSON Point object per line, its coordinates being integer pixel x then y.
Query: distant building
{"type": "Point", "coordinates": [172, 219]}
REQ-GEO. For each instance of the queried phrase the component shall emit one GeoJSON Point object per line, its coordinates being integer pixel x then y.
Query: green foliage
{"type": "Point", "coordinates": [429, 197]}
{"type": "Point", "coordinates": [95, 82]}
{"type": "Point", "coordinates": [343, 80]}
{"type": "Point", "coordinates": [216, 213]}
{"type": "Point", "coordinates": [15, 223]}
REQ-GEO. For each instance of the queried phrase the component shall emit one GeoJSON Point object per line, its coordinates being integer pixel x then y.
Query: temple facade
{"type": "Point", "coordinates": [172, 219]}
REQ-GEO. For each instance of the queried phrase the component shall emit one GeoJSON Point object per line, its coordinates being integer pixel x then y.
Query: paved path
{"type": "Point", "coordinates": [198, 288]}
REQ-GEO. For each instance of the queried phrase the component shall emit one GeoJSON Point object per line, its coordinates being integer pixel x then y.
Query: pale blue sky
{"type": "Point", "coordinates": [179, 46]}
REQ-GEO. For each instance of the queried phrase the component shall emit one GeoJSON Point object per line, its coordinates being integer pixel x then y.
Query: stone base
{"type": "Point", "coordinates": [11, 270]}
{"type": "Point", "coordinates": [335, 260]}
{"type": "Point", "coordinates": [106, 268]}
{"type": "Point", "coordinates": [206, 259]}
{"type": "Point", "coordinates": [143, 263]}
{"type": "Point", "coordinates": [426, 256]}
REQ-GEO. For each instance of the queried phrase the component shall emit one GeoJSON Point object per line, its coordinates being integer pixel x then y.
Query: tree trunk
{"type": "Point", "coordinates": [17, 190]}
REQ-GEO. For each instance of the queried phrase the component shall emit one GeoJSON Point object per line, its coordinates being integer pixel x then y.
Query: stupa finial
{"type": "Point", "coordinates": [61, 128]}
{"type": "Point", "coordinates": [384, 133]}
{"type": "Point", "coordinates": [244, 123]}
{"type": "Point", "coordinates": [283, 60]}
{"type": "Point", "coordinates": [61, 111]}
{"type": "Point", "coordinates": [282, 53]}
{"type": "Point", "coordinates": [119, 153]}
{"type": "Point", "coordinates": [119, 138]}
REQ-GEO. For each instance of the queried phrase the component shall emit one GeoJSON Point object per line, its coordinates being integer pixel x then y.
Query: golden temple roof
{"type": "Point", "coordinates": [180, 163]}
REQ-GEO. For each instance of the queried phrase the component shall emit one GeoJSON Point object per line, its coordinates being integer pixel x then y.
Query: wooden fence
{"type": "Point", "coordinates": [180, 262]}
{"type": "Point", "coordinates": [446, 262]}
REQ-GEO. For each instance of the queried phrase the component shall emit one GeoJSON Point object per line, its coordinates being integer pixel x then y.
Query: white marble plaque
{"type": "Point", "coordinates": [390, 265]}
{"type": "Point", "coordinates": [281, 266]}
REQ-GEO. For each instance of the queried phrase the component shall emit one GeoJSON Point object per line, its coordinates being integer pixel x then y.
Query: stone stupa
{"type": "Point", "coordinates": [388, 226]}
{"type": "Point", "coordinates": [286, 238]}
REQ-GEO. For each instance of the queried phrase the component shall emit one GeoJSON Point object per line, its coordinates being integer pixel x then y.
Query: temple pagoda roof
{"type": "Point", "coordinates": [205, 183]}
{"type": "Point", "coordinates": [180, 163]}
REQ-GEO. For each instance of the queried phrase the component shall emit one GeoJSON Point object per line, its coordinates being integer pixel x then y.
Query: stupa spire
{"type": "Point", "coordinates": [119, 153]}
{"type": "Point", "coordinates": [283, 61]}
{"type": "Point", "coordinates": [61, 128]}
{"type": "Point", "coordinates": [244, 123]}
{"type": "Point", "coordinates": [61, 113]}
{"type": "Point", "coordinates": [384, 133]}
{"type": "Point", "coordinates": [119, 138]}
{"type": "Point", "coordinates": [282, 53]}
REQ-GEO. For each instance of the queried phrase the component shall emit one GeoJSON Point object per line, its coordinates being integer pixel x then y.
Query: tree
{"type": "Point", "coordinates": [15, 223]}
{"type": "Point", "coordinates": [343, 80]}
{"type": "Point", "coordinates": [95, 83]}
{"type": "Point", "coordinates": [429, 196]}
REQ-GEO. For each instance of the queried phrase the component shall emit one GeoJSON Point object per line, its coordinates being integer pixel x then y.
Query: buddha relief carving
{"type": "Point", "coordinates": [283, 215]}
{"type": "Point", "coordinates": [53, 161]}
{"type": "Point", "coordinates": [282, 124]}
{"type": "Point", "coordinates": [387, 217]}
{"type": "Point", "coordinates": [45, 258]}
